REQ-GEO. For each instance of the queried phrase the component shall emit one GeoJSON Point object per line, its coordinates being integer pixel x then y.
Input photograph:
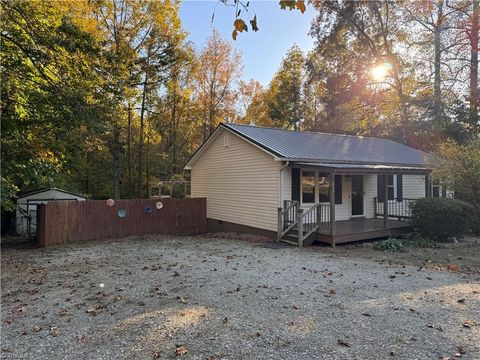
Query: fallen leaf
{"type": "Point", "coordinates": [469, 323]}
{"type": "Point", "coordinates": [461, 301]}
{"type": "Point", "coordinates": [156, 355]}
{"type": "Point", "coordinates": [344, 343]}
{"type": "Point", "coordinates": [181, 350]}
{"type": "Point", "coordinates": [92, 312]}
{"type": "Point", "coordinates": [36, 328]}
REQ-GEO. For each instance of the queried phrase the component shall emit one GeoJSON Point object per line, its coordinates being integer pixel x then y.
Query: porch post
{"type": "Point", "coordinates": [332, 203]}
{"type": "Point", "coordinates": [280, 224]}
{"type": "Point", "coordinates": [385, 201]}
{"type": "Point", "coordinates": [300, 227]}
{"type": "Point", "coordinates": [428, 186]}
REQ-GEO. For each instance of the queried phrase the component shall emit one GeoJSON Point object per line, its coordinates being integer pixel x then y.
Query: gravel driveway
{"type": "Point", "coordinates": [208, 298]}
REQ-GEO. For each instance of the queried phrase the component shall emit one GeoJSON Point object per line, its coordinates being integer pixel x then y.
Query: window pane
{"type": "Point", "coordinates": [436, 191]}
{"type": "Point", "coordinates": [390, 180]}
{"type": "Point", "coordinates": [308, 186]}
{"type": "Point", "coordinates": [323, 188]}
{"type": "Point", "coordinates": [391, 191]}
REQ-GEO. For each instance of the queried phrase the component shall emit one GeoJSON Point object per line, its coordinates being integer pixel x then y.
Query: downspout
{"type": "Point", "coordinates": [280, 182]}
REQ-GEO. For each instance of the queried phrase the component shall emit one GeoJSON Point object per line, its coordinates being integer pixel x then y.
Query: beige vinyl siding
{"type": "Point", "coordinates": [370, 189]}
{"type": "Point", "coordinates": [343, 211]}
{"type": "Point", "coordinates": [413, 186]}
{"type": "Point", "coordinates": [286, 184]}
{"type": "Point", "coordinates": [240, 182]}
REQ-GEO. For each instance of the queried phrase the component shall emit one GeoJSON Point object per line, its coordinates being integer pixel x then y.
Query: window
{"type": "Point", "coordinates": [391, 187]}
{"type": "Point", "coordinates": [436, 188]}
{"type": "Point", "coordinates": [225, 141]}
{"type": "Point", "coordinates": [381, 187]}
{"type": "Point", "coordinates": [308, 186]}
{"type": "Point", "coordinates": [323, 187]}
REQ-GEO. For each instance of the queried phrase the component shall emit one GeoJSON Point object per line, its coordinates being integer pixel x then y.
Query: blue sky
{"type": "Point", "coordinates": [263, 50]}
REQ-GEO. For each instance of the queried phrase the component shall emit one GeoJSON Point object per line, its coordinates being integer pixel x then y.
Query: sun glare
{"type": "Point", "coordinates": [380, 71]}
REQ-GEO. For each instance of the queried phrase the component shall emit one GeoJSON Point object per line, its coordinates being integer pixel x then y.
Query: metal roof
{"type": "Point", "coordinates": [361, 168]}
{"type": "Point", "coordinates": [329, 148]}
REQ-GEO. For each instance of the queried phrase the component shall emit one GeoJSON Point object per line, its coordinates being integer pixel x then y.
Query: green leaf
{"type": "Point", "coordinates": [253, 23]}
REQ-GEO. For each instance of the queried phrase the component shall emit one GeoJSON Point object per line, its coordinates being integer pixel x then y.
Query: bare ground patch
{"type": "Point", "coordinates": [219, 298]}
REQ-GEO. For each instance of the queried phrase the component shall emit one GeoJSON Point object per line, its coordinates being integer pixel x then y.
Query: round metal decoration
{"type": "Point", "coordinates": [148, 210]}
{"type": "Point", "coordinates": [110, 202]}
{"type": "Point", "coordinates": [122, 213]}
{"type": "Point", "coordinates": [159, 205]}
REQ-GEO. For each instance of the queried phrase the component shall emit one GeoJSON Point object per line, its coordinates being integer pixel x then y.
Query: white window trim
{"type": "Point", "coordinates": [317, 188]}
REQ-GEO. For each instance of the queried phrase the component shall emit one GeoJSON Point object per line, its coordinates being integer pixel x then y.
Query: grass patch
{"type": "Point", "coordinates": [391, 245]}
{"type": "Point", "coordinates": [394, 244]}
{"type": "Point", "coordinates": [419, 242]}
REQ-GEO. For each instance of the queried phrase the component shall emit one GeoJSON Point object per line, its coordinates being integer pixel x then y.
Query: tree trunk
{"type": "Point", "coordinates": [437, 92]}
{"type": "Point", "coordinates": [474, 95]}
{"type": "Point", "coordinates": [117, 168]}
{"type": "Point", "coordinates": [147, 165]}
{"type": "Point", "coordinates": [140, 143]}
{"type": "Point", "coordinates": [129, 151]}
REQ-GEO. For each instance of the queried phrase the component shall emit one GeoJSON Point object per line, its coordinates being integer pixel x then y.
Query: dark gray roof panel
{"type": "Point", "coordinates": [313, 146]}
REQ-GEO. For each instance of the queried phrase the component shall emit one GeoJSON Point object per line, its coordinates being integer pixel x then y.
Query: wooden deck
{"type": "Point", "coordinates": [362, 229]}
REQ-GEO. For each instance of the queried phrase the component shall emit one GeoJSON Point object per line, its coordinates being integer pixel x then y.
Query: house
{"type": "Point", "coordinates": [26, 213]}
{"type": "Point", "coordinates": [306, 186]}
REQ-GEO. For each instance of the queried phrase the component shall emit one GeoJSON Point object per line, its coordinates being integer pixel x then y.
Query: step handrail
{"type": "Point", "coordinates": [308, 226]}
{"type": "Point", "coordinates": [289, 212]}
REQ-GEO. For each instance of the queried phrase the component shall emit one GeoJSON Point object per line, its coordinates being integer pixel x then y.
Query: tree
{"type": "Point", "coordinates": [285, 98]}
{"type": "Point", "coordinates": [139, 37]}
{"type": "Point", "coordinates": [52, 94]}
{"type": "Point", "coordinates": [218, 70]}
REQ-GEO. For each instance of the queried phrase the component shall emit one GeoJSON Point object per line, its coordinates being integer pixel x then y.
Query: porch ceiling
{"type": "Point", "coordinates": [365, 168]}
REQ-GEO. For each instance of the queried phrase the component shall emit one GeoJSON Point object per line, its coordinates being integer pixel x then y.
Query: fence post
{"type": "Point", "coordinates": [41, 225]}
{"type": "Point", "coordinates": [280, 223]}
{"type": "Point", "coordinates": [300, 227]}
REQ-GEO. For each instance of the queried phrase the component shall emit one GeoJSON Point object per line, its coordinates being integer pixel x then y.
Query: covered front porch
{"type": "Point", "coordinates": [337, 203]}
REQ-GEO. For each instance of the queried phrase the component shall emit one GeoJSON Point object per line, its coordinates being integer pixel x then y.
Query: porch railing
{"type": "Point", "coordinates": [287, 217]}
{"type": "Point", "coordinates": [400, 209]}
{"type": "Point", "coordinates": [294, 221]}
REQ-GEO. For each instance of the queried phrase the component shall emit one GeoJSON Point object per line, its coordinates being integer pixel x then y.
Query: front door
{"type": "Point", "coordinates": [357, 195]}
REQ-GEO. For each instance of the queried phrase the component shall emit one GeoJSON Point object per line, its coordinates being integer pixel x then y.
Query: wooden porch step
{"type": "Point", "coordinates": [289, 242]}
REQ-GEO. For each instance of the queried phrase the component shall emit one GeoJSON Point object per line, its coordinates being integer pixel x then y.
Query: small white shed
{"type": "Point", "coordinates": [26, 214]}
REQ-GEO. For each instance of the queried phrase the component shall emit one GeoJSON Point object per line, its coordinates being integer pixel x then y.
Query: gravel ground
{"type": "Point", "coordinates": [217, 298]}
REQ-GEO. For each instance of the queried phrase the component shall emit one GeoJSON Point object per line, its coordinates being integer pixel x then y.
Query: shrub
{"type": "Point", "coordinates": [391, 245]}
{"type": "Point", "coordinates": [474, 221]}
{"type": "Point", "coordinates": [420, 242]}
{"type": "Point", "coordinates": [440, 218]}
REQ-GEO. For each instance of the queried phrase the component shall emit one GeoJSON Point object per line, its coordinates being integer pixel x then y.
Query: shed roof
{"type": "Point", "coordinates": [39, 191]}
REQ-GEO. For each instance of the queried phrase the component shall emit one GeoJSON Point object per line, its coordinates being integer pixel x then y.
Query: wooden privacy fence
{"type": "Point", "coordinates": [74, 221]}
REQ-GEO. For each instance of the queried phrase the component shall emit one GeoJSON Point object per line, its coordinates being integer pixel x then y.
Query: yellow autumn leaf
{"type": "Point", "coordinates": [300, 5]}
{"type": "Point", "coordinates": [239, 25]}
